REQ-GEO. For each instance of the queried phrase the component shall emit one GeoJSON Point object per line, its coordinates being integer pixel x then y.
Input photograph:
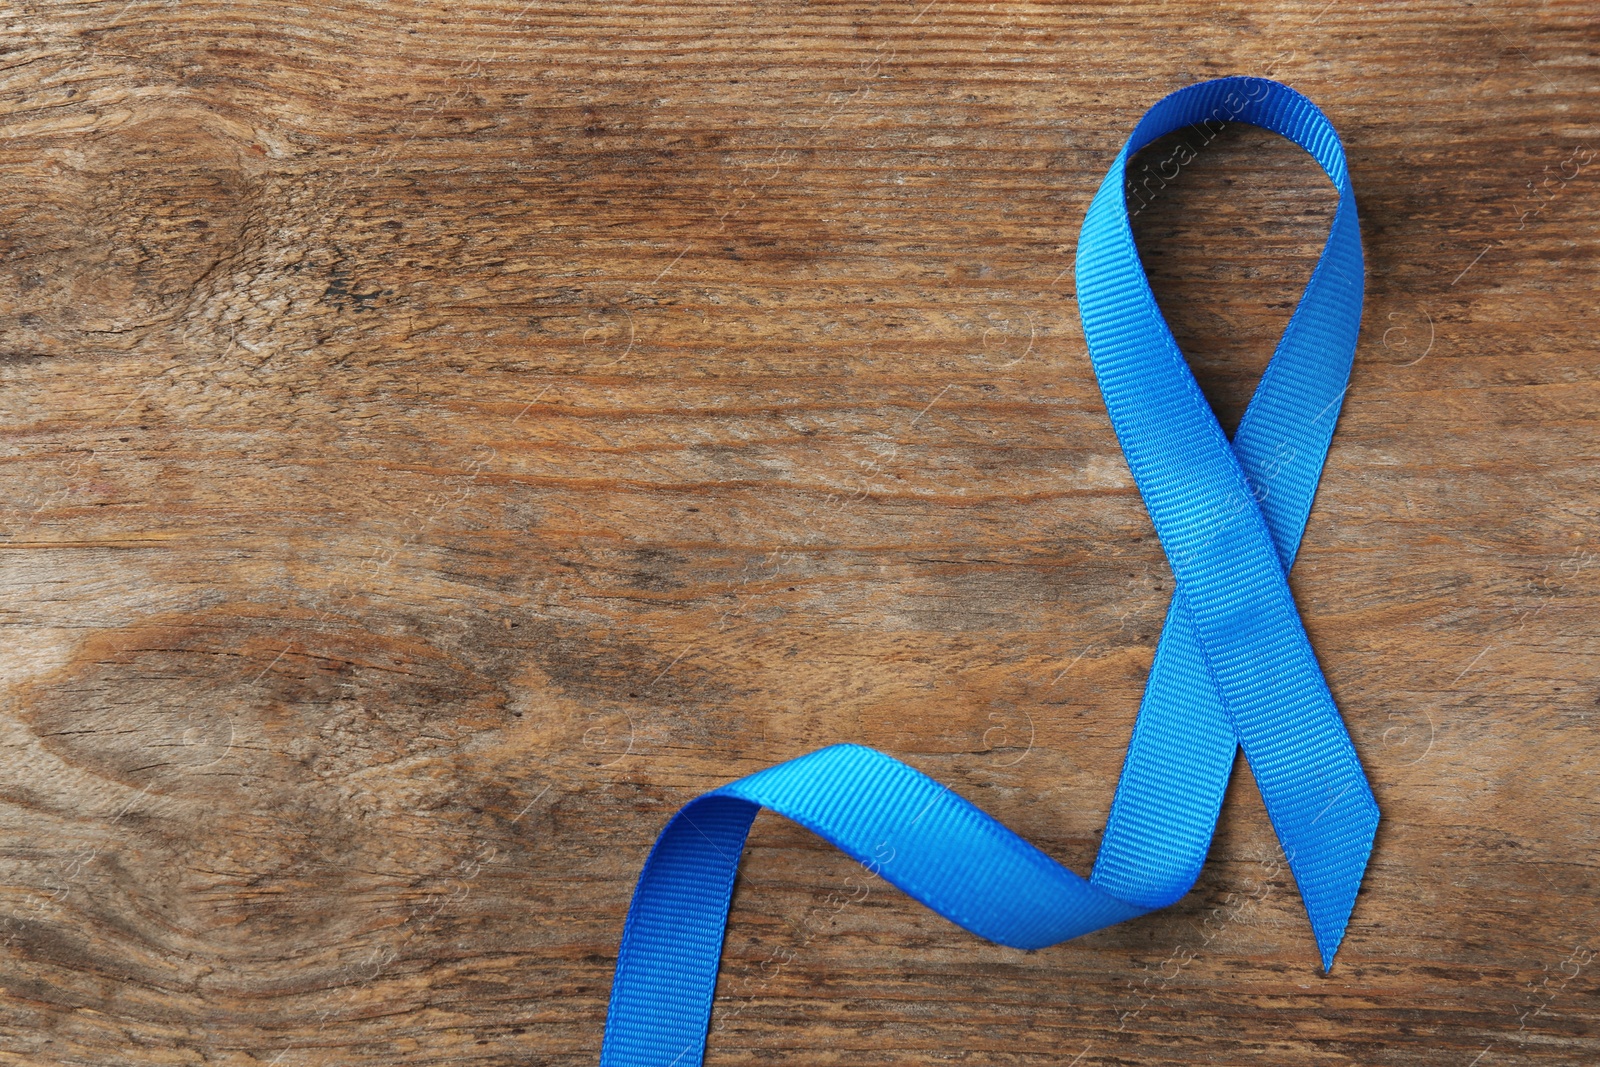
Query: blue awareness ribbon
{"type": "Point", "coordinates": [1233, 669]}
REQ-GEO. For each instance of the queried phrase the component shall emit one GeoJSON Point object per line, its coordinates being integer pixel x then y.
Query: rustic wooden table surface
{"type": "Point", "coordinates": [439, 440]}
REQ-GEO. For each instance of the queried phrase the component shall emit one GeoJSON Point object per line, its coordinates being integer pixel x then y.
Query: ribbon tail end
{"type": "Point", "coordinates": [1330, 909]}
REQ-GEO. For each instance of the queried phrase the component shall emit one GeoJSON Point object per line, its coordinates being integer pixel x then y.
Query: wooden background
{"type": "Point", "coordinates": [439, 440]}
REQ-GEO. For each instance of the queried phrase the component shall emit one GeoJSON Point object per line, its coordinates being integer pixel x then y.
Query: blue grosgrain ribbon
{"type": "Point", "coordinates": [1233, 668]}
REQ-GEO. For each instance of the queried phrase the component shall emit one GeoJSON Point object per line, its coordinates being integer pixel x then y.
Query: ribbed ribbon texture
{"type": "Point", "coordinates": [1233, 669]}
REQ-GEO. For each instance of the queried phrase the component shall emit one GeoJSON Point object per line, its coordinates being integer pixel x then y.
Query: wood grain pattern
{"type": "Point", "coordinates": [440, 440]}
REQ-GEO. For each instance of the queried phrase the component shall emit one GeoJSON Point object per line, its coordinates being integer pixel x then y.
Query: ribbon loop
{"type": "Point", "coordinates": [1233, 669]}
{"type": "Point", "coordinates": [1246, 644]}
